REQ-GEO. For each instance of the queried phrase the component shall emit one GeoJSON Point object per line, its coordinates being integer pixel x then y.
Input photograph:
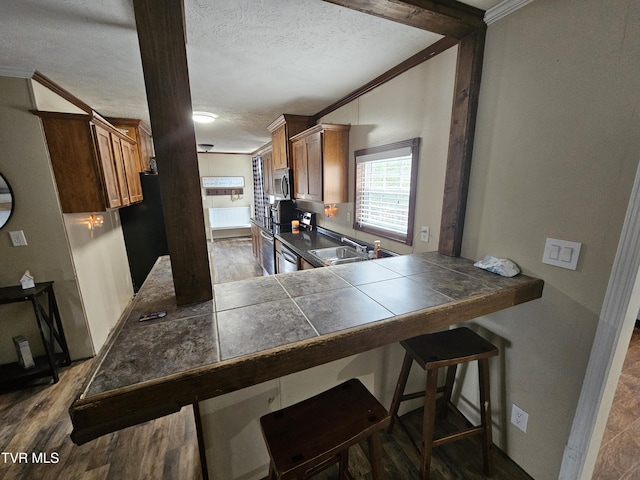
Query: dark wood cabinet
{"type": "Point", "coordinates": [266, 155]}
{"type": "Point", "coordinates": [93, 162]}
{"type": "Point", "coordinates": [321, 163]}
{"type": "Point", "coordinates": [304, 265]}
{"type": "Point", "coordinates": [282, 129]}
{"type": "Point", "coordinates": [140, 133]}
{"type": "Point", "coordinates": [256, 243]}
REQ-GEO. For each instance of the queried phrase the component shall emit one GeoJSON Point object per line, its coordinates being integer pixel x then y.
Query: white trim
{"type": "Point", "coordinates": [15, 72]}
{"type": "Point", "coordinates": [615, 326]}
{"type": "Point", "coordinates": [503, 9]}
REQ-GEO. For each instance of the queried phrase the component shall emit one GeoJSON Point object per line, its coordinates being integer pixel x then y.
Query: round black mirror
{"type": "Point", "coordinates": [6, 201]}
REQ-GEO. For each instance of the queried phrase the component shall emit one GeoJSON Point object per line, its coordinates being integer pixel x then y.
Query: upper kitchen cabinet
{"type": "Point", "coordinates": [93, 163]}
{"type": "Point", "coordinates": [140, 133]}
{"type": "Point", "coordinates": [266, 154]}
{"type": "Point", "coordinates": [321, 163]}
{"type": "Point", "coordinates": [282, 129]}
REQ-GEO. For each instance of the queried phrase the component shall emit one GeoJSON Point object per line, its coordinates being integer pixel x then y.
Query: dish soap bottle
{"type": "Point", "coordinates": [376, 249]}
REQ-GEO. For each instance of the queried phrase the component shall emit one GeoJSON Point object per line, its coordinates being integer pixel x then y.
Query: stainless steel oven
{"type": "Point", "coordinates": [283, 183]}
{"type": "Point", "coordinates": [290, 261]}
{"type": "Point", "coordinates": [268, 253]}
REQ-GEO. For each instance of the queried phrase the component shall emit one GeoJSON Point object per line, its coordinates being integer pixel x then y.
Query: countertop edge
{"type": "Point", "coordinates": [110, 411]}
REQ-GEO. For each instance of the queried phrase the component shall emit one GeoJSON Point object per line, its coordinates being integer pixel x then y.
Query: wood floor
{"type": "Point", "coordinates": [36, 420]}
{"type": "Point", "coordinates": [232, 259]}
{"type": "Point", "coordinates": [618, 458]}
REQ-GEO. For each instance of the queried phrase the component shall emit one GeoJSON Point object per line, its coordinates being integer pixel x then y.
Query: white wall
{"type": "Point", "coordinates": [226, 165]}
{"type": "Point", "coordinates": [557, 145]}
{"type": "Point", "coordinates": [89, 268]}
{"type": "Point", "coordinates": [102, 270]}
{"type": "Point", "coordinates": [414, 104]}
{"type": "Point", "coordinates": [25, 164]}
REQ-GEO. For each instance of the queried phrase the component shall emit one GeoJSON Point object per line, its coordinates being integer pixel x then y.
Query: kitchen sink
{"type": "Point", "coordinates": [337, 255]}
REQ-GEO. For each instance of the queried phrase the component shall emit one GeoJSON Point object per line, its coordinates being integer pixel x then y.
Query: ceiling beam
{"type": "Point", "coordinates": [445, 17]}
{"type": "Point", "coordinates": [161, 36]}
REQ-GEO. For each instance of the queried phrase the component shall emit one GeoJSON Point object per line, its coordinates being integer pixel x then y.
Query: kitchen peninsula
{"type": "Point", "coordinates": [264, 328]}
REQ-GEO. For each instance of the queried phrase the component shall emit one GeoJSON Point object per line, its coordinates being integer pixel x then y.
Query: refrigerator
{"type": "Point", "coordinates": [144, 232]}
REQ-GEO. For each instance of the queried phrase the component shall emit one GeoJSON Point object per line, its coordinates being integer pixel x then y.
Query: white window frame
{"type": "Point", "coordinates": [374, 208]}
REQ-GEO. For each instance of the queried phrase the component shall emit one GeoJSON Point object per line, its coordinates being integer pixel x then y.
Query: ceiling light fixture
{"type": "Point", "coordinates": [207, 147]}
{"type": "Point", "coordinates": [204, 117]}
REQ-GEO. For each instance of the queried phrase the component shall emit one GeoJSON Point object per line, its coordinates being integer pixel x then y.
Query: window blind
{"type": "Point", "coordinates": [384, 190]}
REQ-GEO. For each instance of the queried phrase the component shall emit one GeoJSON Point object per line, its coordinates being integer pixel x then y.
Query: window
{"type": "Point", "coordinates": [386, 178]}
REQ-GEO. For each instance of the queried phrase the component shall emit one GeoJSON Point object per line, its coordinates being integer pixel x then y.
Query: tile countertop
{"type": "Point", "coordinates": [266, 327]}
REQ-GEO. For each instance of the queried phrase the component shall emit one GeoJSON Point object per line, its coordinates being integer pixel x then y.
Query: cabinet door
{"type": "Point", "coordinates": [116, 144]}
{"type": "Point", "coordinates": [300, 177]}
{"type": "Point", "coordinates": [130, 163]}
{"type": "Point", "coordinates": [107, 165]}
{"type": "Point", "coordinates": [314, 166]}
{"type": "Point", "coordinates": [279, 141]}
{"type": "Point", "coordinates": [304, 265]}
{"type": "Point", "coordinates": [145, 151]}
{"type": "Point", "coordinates": [267, 171]}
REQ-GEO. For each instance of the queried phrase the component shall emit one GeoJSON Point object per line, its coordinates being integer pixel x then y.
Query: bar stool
{"type": "Point", "coordinates": [448, 348]}
{"type": "Point", "coordinates": [308, 437]}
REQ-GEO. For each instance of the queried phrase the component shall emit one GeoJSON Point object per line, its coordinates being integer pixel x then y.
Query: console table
{"type": "Point", "coordinates": [51, 333]}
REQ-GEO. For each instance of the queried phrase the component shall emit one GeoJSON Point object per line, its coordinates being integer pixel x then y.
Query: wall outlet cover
{"type": "Point", "coordinates": [519, 417]}
{"type": "Point", "coordinates": [18, 239]}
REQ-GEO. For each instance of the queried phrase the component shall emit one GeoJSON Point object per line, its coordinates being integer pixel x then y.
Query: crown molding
{"type": "Point", "coordinates": [14, 72]}
{"type": "Point", "coordinates": [503, 9]}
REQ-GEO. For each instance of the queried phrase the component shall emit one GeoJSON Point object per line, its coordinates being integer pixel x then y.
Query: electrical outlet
{"type": "Point", "coordinates": [519, 417]}
{"type": "Point", "coordinates": [424, 234]}
{"type": "Point", "coordinates": [18, 239]}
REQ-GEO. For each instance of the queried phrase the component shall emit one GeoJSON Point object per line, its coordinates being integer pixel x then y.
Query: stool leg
{"type": "Point", "coordinates": [428, 422]}
{"type": "Point", "coordinates": [485, 416]}
{"type": "Point", "coordinates": [343, 467]}
{"type": "Point", "coordinates": [375, 456]}
{"type": "Point", "coordinates": [448, 389]}
{"type": "Point", "coordinates": [399, 392]}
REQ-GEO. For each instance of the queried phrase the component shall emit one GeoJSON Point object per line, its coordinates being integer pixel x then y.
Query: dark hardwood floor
{"type": "Point", "coordinates": [232, 259]}
{"type": "Point", "coordinates": [36, 420]}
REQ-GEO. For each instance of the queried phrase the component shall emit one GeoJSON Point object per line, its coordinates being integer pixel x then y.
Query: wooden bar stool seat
{"type": "Point", "coordinates": [433, 351]}
{"type": "Point", "coordinates": [308, 437]}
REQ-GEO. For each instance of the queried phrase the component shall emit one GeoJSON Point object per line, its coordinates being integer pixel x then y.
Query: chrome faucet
{"type": "Point", "coordinates": [359, 248]}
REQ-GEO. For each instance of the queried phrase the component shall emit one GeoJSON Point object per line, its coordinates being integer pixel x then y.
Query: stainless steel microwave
{"type": "Point", "coordinates": [283, 183]}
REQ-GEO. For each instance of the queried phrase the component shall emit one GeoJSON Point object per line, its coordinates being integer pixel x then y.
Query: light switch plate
{"type": "Point", "coordinates": [561, 253]}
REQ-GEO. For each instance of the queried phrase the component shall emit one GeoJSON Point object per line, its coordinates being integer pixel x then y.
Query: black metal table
{"type": "Point", "coordinates": [51, 333]}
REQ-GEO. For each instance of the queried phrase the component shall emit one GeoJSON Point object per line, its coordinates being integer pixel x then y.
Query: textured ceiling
{"type": "Point", "coordinates": [249, 60]}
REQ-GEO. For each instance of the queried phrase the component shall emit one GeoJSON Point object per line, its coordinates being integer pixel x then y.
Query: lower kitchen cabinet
{"type": "Point", "coordinates": [256, 243]}
{"type": "Point", "coordinates": [304, 265]}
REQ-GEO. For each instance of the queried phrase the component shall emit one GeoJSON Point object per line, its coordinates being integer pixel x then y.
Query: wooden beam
{"type": "Point", "coordinates": [161, 36]}
{"type": "Point", "coordinates": [445, 17]}
{"type": "Point", "coordinates": [461, 136]}
{"type": "Point", "coordinates": [422, 56]}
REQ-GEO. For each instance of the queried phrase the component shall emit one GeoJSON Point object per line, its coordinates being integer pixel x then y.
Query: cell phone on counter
{"type": "Point", "coordinates": [152, 316]}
